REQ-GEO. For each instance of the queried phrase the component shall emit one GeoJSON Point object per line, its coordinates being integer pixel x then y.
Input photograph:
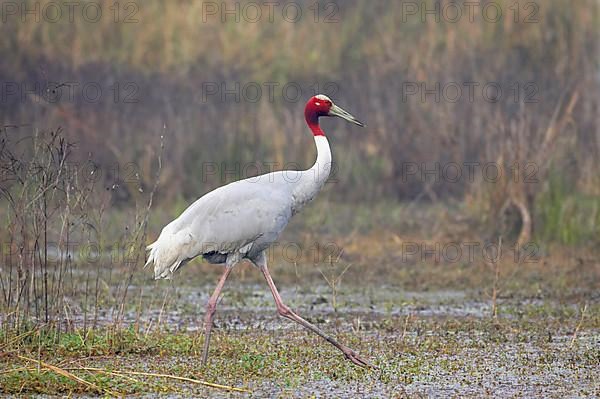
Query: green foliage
{"type": "Point", "coordinates": [565, 215]}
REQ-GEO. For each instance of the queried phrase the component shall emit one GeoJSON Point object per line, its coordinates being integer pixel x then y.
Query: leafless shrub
{"type": "Point", "coordinates": [55, 209]}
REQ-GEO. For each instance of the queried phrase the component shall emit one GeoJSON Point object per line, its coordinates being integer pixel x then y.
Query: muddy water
{"type": "Point", "coordinates": [245, 306]}
{"type": "Point", "coordinates": [184, 306]}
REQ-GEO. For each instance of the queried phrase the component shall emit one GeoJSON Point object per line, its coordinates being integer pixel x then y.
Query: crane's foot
{"type": "Point", "coordinates": [354, 358]}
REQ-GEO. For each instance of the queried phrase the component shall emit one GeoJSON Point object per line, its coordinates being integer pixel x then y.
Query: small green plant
{"type": "Point", "coordinates": [252, 362]}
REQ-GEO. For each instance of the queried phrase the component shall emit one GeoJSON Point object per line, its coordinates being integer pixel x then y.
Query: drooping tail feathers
{"type": "Point", "coordinates": [165, 261]}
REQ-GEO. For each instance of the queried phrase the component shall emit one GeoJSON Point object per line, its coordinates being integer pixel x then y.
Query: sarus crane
{"type": "Point", "coordinates": [242, 219]}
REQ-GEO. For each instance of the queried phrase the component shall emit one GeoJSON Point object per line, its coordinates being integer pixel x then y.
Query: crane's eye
{"type": "Point", "coordinates": [317, 103]}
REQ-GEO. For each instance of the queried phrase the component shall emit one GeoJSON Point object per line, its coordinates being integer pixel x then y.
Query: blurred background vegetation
{"type": "Point", "coordinates": [364, 57]}
{"type": "Point", "coordinates": [156, 63]}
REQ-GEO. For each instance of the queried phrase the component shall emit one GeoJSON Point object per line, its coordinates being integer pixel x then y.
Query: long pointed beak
{"type": "Point", "coordinates": [337, 111]}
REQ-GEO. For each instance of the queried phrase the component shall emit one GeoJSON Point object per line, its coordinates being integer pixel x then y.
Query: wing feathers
{"type": "Point", "coordinates": [228, 220]}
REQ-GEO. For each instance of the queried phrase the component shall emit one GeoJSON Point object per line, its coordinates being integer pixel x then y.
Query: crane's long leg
{"type": "Point", "coordinates": [211, 308]}
{"type": "Point", "coordinates": [286, 312]}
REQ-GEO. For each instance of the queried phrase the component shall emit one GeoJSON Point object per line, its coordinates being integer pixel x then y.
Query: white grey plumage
{"type": "Point", "coordinates": [241, 219]}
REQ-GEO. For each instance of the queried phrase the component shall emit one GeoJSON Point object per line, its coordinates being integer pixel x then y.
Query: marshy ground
{"type": "Point", "coordinates": [440, 344]}
{"type": "Point", "coordinates": [437, 343]}
{"type": "Point", "coordinates": [428, 325]}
